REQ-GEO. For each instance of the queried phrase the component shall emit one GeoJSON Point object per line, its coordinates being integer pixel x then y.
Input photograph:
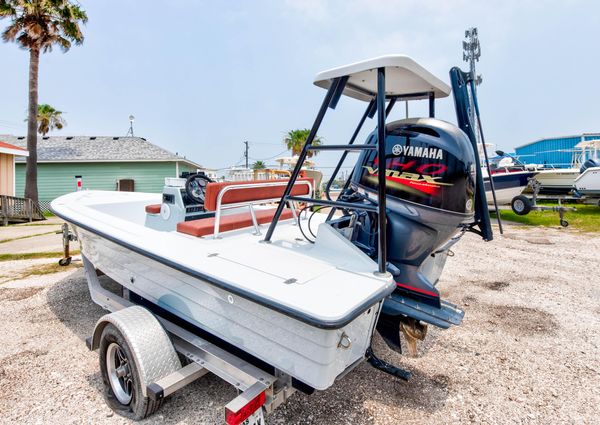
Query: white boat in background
{"type": "Point", "coordinates": [557, 180]}
{"type": "Point", "coordinates": [562, 180]}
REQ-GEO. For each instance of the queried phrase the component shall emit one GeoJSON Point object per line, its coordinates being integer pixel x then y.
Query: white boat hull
{"type": "Point", "coordinates": [588, 182]}
{"type": "Point", "coordinates": [314, 353]}
{"type": "Point", "coordinates": [558, 180]}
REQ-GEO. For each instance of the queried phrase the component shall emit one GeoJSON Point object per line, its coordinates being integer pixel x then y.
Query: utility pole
{"type": "Point", "coordinates": [471, 54]}
{"type": "Point", "coordinates": [246, 154]}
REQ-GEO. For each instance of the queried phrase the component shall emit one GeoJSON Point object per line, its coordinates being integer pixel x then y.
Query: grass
{"type": "Point", "coordinates": [33, 255]}
{"type": "Point", "coordinates": [586, 218]}
{"type": "Point", "coordinates": [41, 270]}
{"type": "Point", "coordinates": [26, 237]}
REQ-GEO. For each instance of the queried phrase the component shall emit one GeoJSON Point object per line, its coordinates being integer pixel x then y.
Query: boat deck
{"type": "Point", "coordinates": [330, 281]}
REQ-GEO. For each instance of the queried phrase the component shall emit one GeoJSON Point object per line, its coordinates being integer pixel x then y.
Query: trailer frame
{"type": "Point", "coordinates": [250, 381]}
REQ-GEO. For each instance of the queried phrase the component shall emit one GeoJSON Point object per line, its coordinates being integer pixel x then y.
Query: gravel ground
{"type": "Point", "coordinates": [528, 350]}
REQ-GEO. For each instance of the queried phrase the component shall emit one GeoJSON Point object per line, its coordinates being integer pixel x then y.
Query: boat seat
{"type": "Point", "coordinates": [153, 209]}
{"type": "Point", "coordinates": [251, 194]}
{"type": "Point", "coordinates": [206, 226]}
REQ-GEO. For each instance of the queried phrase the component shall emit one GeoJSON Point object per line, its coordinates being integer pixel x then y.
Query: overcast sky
{"type": "Point", "coordinates": [202, 77]}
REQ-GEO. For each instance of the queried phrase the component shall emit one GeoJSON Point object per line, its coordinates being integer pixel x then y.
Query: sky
{"type": "Point", "coordinates": [202, 77]}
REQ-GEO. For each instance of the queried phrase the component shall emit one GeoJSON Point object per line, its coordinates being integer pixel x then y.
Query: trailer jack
{"type": "Point", "coordinates": [67, 237]}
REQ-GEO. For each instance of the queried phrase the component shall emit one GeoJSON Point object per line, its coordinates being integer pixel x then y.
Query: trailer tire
{"type": "Point", "coordinates": [138, 407]}
{"type": "Point", "coordinates": [521, 205]}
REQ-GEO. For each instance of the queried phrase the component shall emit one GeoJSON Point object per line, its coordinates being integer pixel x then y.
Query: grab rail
{"type": "Point", "coordinates": [220, 206]}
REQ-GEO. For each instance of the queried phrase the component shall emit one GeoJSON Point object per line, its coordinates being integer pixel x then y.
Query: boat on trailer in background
{"type": "Point", "coordinates": [562, 181]}
{"type": "Point", "coordinates": [188, 271]}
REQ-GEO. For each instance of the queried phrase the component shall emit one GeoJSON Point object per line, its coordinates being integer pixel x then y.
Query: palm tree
{"type": "Point", "coordinates": [259, 165]}
{"type": "Point", "coordinates": [37, 26]}
{"type": "Point", "coordinates": [49, 119]}
{"type": "Point", "coordinates": [295, 140]}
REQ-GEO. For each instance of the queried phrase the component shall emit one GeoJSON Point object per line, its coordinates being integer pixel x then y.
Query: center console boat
{"type": "Point", "coordinates": [199, 273]}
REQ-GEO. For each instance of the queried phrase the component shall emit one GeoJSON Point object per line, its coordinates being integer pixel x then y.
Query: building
{"type": "Point", "coordinates": [8, 153]}
{"type": "Point", "coordinates": [101, 163]}
{"type": "Point", "coordinates": [553, 151]}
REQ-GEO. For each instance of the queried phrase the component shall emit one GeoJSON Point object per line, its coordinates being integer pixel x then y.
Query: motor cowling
{"type": "Point", "coordinates": [428, 162]}
{"type": "Point", "coordinates": [430, 184]}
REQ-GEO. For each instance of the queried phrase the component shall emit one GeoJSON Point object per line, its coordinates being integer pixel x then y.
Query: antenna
{"type": "Point", "coordinates": [471, 54]}
{"type": "Point", "coordinates": [130, 131]}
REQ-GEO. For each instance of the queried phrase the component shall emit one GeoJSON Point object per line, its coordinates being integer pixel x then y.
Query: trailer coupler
{"type": "Point", "coordinates": [386, 367]}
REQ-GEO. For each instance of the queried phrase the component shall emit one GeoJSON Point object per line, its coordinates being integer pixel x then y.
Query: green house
{"type": "Point", "coordinates": [99, 163]}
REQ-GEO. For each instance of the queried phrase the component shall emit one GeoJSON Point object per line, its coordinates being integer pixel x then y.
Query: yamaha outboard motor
{"type": "Point", "coordinates": [430, 169]}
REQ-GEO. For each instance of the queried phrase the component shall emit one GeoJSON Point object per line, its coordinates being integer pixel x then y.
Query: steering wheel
{"type": "Point", "coordinates": [195, 187]}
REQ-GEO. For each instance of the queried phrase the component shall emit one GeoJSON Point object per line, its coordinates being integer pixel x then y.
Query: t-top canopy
{"type": "Point", "coordinates": [403, 76]}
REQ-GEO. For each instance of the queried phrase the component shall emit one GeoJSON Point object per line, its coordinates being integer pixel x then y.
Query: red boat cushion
{"type": "Point", "coordinates": [249, 194]}
{"type": "Point", "coordinates": [206, 226]}
{"type": "Point", "coordinates": [153, 209]}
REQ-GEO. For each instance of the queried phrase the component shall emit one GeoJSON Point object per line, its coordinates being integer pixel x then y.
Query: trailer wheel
{"type": "Point", "coordinates": [64, 261]}
{"type": "Point", "coordinates": [564, 223]}
{"type": "Point", "coordinates": [521, 205]}
{"type": "Point", "coordinates": [120, 373]}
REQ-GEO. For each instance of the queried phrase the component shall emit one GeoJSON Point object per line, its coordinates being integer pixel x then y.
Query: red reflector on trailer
{"type": "Point", "coordinates": [236, 418]}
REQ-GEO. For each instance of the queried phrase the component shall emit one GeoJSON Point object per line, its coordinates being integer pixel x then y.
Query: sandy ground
{"type": "Point", "coordinates": [528, 350]}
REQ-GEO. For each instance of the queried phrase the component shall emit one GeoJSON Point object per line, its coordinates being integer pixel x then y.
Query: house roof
{"type": "Point", "coordinates": [9, 149]}
{"type": "Point", "coordinates": [97, 149]}
{"type": "Point", "coordinates": [572, 136]}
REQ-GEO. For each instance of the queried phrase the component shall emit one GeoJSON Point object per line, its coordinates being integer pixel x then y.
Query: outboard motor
{"type": "Point", "coordinates": [430, 170]}
{"type": "Point", "coordinates": [590, 163]}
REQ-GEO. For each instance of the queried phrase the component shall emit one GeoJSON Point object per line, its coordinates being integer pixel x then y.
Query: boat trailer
{"type": "Point", "coordinates": [522, 205]}
{"type": "Point", "coordinates": [259, 392]}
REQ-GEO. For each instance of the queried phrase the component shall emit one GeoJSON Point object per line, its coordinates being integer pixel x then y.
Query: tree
{"type": "Point", "coordinates": [296, 139]}
{"type": "Point", "coordinates": [49, 119]}
{"type": "Point", "coordinates": [259, 165]}
{"type": "Point", "coordinates": [37, 26]}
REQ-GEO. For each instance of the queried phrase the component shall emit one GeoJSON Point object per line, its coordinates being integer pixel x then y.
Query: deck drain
{"type": "Point", "coordinates": [290, 281]}
{"type": "Point", "coordinates": [214, 254]}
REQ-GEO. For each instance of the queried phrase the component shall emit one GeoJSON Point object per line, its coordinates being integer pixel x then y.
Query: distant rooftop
{"type": "Point", "coordinates": [7, 148]}
{"type": "Point", "coordinates": [581, 136]}
{"type": "Point", "coordinates": [96, 149]}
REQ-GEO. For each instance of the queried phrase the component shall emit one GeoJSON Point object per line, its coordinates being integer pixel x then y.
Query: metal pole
{"type": "Point", "coordinates": [311, 136]}
{"type": "Point", "coordinates": [487, 162]}
{"type": "Point", "coordinates": [431, 105]}
{"type": "Point", "coordinates": [246, 154]}
{"type": "Point", "coordinates": [381, 216]}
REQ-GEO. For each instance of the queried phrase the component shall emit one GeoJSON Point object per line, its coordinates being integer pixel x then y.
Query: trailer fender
{"type": "Point", "coordinates": [150, 345]}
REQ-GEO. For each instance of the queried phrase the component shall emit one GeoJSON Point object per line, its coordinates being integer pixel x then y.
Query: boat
{"type": "Point", "coordinates": [303, 299]}
{"type": "Point", "coordinates": [510, 178]}
{"type": "Point", "coordinates": [588, 181]}
{"type": "Point", "coordinates": [557, 181]}
{"type": "Point", "coordinates": [561, 181]}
